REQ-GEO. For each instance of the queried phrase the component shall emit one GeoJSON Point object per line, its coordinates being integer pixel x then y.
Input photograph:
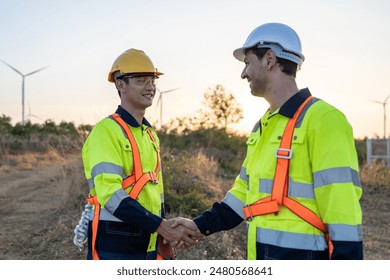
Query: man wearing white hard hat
{"type": "Point", "coordinates": [298, 189]}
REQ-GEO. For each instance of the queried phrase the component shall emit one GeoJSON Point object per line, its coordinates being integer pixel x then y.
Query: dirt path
{"type": "Point", "coordinates": [31, 199]}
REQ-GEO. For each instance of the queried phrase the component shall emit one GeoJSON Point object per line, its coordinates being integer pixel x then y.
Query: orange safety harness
{"type": "Point", "coordinates": [279, 196]}
{"type": "Point", "coordinates": [137, 180]}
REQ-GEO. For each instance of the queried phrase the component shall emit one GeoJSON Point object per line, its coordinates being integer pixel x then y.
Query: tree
{"type": "Point", "coordinates": [5, 124]}
{"type": "Point", "coordinates": [67, 128]}
{"type": "Point", "coordinates": [49, 126]}
{"type": "Point", "coordinates": [222, 108]}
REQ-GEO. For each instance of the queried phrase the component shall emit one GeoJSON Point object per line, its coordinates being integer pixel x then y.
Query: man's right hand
{"type": "Point", "coordinates": [180, 232]}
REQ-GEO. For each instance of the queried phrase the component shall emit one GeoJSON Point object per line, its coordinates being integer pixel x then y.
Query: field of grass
{"type": "Point", "coordinates": [44, 232]}
{"type": "Point", "coordinates": [42, 197]}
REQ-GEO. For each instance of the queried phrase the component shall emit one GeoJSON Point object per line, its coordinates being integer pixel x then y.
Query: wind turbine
{"type": "Point", "coordinates": [29, 115]}
{"type": "Point", "coordinates": [384, 103]}
{"type": "Point", "coordinates": [160, 100]}
{"type": "Point", "coordinates": [23, 77]}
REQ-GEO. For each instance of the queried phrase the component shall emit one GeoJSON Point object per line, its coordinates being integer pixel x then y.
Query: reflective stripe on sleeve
{"type": "Point", "coordinates": [116, 199]}
{"type": "Point", "coordinates": [104, 167]}
{"type": "Point", "coordinates": [91, 183]}
{"type": "Point", "coordinates": [336, 175]}
{"type": "Point", "coordinates": [105, 216]}
{"type": "Point", "coordinates": [235, 204]}
{"type": "Point", "coordinates": [107, 167]}
{"type": "Point", "coordinates": [340, 232]}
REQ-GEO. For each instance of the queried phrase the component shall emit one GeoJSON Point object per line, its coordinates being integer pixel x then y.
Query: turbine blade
{"type": "Point", "coordinates": [13, 68]}
{"type": "Point", "coordinates": [36, 71]}
{"type": "Point", "coordinates": [376, 101]}
{"type": "Point", "coordinates": [159, 99]}
{"type": "Point", "coordinates": [387, 98]}
{"type": "Point", "coordinates": [166, 91]}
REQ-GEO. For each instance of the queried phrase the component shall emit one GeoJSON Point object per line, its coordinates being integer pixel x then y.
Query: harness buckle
{"type": "Point", "coordinates": [283, 151]}
{"type": "Point", "coordinates": [153, 177]}
{"type": "Point", "coordinates": [250, 213]}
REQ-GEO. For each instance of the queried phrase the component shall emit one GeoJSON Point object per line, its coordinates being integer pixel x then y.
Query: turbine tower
{"type": "Point", "coordinates": [384, 103]}
{"type": "Point", "coordinates": [160, 100]}
{"type": "Point", "coordinates": [23, 77]}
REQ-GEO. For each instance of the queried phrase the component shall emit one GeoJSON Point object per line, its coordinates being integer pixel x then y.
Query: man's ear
{"type": "Point", "coordinates": [120, 84]}
{"type": "Point", "coordinates": [270, 58]}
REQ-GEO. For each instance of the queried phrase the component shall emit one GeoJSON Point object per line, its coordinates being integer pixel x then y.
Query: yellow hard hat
{"type": "Point", "coordinates": [132, 61]}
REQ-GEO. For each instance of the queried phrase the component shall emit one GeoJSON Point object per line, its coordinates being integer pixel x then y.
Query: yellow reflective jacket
{"type": "Point", "coordinates": [323, 176]}
{"type": "Point", "coordinates": [107, 158]}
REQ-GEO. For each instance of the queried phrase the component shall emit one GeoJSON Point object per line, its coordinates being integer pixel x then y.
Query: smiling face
{"type": "Point", "coordinates": [137, 92]}
{"type": "Point", "coordinates": [255, 72]}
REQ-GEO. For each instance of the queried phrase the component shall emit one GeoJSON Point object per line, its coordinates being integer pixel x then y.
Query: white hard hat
{"type": "Point", "coordinates": [282, 39]}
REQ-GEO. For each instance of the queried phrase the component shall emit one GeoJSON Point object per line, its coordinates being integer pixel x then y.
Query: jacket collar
{"type": "Point", "coordinates": [129, 119]}
{"type": "Point", "coordinates": [289, 108]}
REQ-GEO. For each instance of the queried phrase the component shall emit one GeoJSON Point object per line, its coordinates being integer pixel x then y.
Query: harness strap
{"type": "Point", "coordinates": [137, 180]}
{"type": "Point", "coordinates": [138, 186]}
{"type": "Point", "coordinates": [304, 213]}
{"type": "Point", "coordinates": [262, 207]}
{"type": "Point", "coordinates": [95, 222]}
{"type": "Point", "coordinates": [279, 195]}
{"type": "Point", "coordinates": [165, 251]}
{"type": "Point", "coordinates": [280, 186]}
{"type": "Point", "coordinates": [310, 217]}
{"type": "Point", "coordinates": [137, 169]}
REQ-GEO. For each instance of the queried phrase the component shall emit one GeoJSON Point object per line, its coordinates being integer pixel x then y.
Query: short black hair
{"type": "Point", "coordinates": [125, 79]}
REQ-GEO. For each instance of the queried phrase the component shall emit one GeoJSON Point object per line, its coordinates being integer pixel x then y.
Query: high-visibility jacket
{"type": "Point", "coordinates": [323, 176]}
{"type": "Point", "coordinates": [107, 158]}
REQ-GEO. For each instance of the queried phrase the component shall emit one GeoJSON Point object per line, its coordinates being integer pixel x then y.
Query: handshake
{"type": "Point", "coordinates": [180, 232]}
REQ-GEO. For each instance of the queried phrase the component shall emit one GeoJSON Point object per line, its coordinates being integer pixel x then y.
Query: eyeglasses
{"type": "Point", "coordinates": [141, 80]}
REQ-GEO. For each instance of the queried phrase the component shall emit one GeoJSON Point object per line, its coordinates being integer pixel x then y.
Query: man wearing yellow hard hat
{"type": "Point", "coordinates": [123, 169]}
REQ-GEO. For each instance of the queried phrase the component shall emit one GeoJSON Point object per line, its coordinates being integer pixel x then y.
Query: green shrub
{"type": "Point", "coordinates": [16, 146]}
{"type": "Point", "coordinates": [361, 150]}
{"type": "Point", "coordinates": [5, 124]}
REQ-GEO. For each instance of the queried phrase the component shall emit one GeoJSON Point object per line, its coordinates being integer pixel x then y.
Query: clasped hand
{"type": "Point", "coordinates": [180, 232]}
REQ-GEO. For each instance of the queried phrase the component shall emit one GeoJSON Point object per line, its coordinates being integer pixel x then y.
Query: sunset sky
{"type": "Point", "coordinates": [346, 45]}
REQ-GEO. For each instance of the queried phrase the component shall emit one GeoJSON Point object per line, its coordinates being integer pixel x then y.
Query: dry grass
{"type": "Point", "coordinates": [378, 175]}
{"type": "Point", "coordinates": [376, 211]}
{"type": "Point", "coordinates": [225, 245]}
{"type": "Point", "coordinates": [48, 233]}
{"type": "Point", "coordinates": [28, 160]}
{"type": "Point", "coordinates": [39, 204]}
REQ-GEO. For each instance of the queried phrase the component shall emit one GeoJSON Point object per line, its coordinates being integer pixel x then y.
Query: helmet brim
{"type": "Point", "coordinates": [239, 54]}
{"type": "Point", "coordinates": [112, 80]}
